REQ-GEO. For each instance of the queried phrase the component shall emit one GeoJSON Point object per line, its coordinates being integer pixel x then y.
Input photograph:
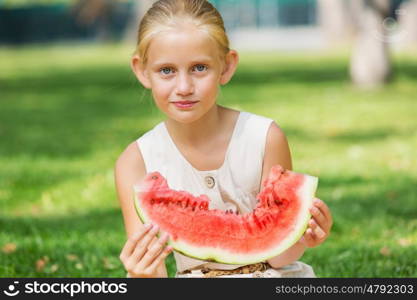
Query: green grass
{"type": "Point", "coordinates": [68, 111]}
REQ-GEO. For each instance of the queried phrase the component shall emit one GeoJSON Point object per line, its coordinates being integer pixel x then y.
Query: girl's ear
{"type": "Point", "coordinates": [232, 60]}
{"type": "Point", "coordinates": [139, 69]}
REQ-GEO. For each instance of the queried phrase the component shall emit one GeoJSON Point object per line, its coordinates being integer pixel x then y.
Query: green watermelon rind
{"type": "Point", "coordinates": [308, 189]}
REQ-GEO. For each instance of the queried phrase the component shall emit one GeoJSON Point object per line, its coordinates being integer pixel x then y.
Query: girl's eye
{"type": "Point", "coordinates": [165, 71]}
{"type": "Point", "coordinates": [200, 68]}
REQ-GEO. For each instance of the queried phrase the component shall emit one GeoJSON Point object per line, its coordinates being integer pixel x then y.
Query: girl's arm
{"type": "Point", "coordinates": [277, 152]}
{"type": "Point", "coordinates": [130, 169]}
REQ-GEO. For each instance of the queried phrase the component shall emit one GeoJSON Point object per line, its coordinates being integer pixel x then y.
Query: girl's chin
{"type": "Point", "coordinates": [184, 120]}
{"type": "Point", "coordinates": [184, 117]}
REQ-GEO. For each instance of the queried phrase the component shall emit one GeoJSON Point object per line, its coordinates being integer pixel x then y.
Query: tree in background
{"type": "Point", "coordinates": [370, 63]}
{"type": "Point", "coordinates": [371, 27]}
{"type": "Point", "coordinates": [407, 22]}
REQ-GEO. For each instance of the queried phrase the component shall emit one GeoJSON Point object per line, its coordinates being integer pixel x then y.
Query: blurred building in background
{"type": "Point", "coordinates": [271, 24]}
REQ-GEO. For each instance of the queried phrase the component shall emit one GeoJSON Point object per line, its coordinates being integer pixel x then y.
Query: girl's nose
{"type": "Point", "coordinates": [184, 84]}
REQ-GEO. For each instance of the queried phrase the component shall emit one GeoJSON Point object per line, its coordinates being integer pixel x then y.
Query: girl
{"type": "Point", "coordinates": [183, 57]}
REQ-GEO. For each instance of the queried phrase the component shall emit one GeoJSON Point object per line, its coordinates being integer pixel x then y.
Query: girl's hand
{"type": "Point", "coordinates": [319, 225]}
{"type": "Point", "coordinates": [140, 257]}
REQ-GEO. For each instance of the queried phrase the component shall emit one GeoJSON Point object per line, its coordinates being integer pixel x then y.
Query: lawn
{"type": "Point", "coordinates": [67, 112]}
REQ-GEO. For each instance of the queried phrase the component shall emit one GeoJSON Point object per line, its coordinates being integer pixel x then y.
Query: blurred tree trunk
{"type": "Point", "coordinates": [337, 20]}
{"type": "Point", "coordinates": [407, 20]}
{"type": "Point", "coordinates": [370, 64]}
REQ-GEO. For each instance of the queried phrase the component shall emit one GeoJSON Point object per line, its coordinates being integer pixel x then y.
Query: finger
{"type": "Point", "coordinates": [324, 210]}
{"type": "Point", "coordinates": [142, 247]}
{"type": "Point", "coordinates": [155, 238]}
{"type": "Point", "coordinates": [159, 259]}
{"type": "Point", "coordinates": [309, 237]}
{"type": "Point", "coordinates": [312, 224]}
{"type": "Point", "coordinates": [130, 245]}
{"type": "Point", "coordinates": [319, 233]}
{"type": "Point", "coordinates": [319, 218]}
{"type": "Point", "coordinates": [154, 251]}
{"type": "Point", "coordinates": [150, 235]}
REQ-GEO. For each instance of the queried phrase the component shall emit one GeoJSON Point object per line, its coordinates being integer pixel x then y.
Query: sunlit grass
{"type": "Point", "coordinates": [67, 112]}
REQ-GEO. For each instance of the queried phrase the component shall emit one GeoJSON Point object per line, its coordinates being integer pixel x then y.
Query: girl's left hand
{"type": "Point", "coordinates": [319, 225]}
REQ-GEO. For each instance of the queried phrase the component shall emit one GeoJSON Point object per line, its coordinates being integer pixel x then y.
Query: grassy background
{"type": "Point", "coordinates": [67, 112]}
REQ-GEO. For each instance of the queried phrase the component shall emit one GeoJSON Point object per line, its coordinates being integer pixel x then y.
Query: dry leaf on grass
{"type": "Point", "coordinates": [72, 257]}
{"type": "Point", "coordinates": [9, 248]}
{"type": "Point", "coordinates": [41, 263]}
{"type": "Point", "coordinates": [385, 251]}
{"type": "Point", "coordinates": [404, 242]}
{"type": "Point", "coordinates": [108, 264]}
{"type": "Point", "coordinates": [53, 268]}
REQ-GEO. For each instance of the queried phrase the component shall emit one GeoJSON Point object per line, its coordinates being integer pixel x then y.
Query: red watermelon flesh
{"type": "Point", "coordinates": [276, 223]}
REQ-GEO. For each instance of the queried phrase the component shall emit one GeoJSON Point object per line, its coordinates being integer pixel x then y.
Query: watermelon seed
{"type": "Point", "coordinates": [154, 177]}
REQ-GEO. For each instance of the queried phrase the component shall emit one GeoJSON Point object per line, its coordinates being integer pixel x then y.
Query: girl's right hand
{"type": "Point", "coordinates": [141, 258]}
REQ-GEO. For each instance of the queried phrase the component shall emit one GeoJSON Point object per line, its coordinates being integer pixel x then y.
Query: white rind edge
{"type": "Point", "coordinates": [306, 194]}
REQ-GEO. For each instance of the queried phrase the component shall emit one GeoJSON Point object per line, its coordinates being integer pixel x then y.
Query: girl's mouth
{"type": "Point", "coordinates": [184, 104]}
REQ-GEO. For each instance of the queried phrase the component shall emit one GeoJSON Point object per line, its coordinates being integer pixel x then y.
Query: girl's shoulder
{"type": "Point", "coordinates": [130, 159]}
{"type": "Point", "coordinates": [255, 124]}
{"type": "Point", "coordinates": [132, 154]}
{"type": "Point", "coordinates": [248, 117]}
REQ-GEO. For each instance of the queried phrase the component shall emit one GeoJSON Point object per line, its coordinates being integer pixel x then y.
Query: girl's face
{"type": "Point", "coordinates": [185, 65]}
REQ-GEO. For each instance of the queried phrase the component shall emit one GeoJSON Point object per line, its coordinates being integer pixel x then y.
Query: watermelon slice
{"type": "Point", "coordinates": [276, 223]}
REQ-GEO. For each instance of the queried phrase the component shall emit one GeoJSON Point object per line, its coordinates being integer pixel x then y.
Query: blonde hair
{"type": "Point", "coordinates": [166, 14]}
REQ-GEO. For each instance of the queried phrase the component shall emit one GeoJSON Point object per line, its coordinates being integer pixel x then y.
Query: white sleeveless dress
{"type": "Point", "coordinates": [233, 186]}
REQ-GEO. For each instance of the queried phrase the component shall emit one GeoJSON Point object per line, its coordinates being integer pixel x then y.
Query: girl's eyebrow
{"type": "Point", "coordinates": [203, 59]}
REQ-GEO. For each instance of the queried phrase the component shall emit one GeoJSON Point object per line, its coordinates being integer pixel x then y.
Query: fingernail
{"type": "Point", "coordinates": [148, 225]}
{"type": "Point", "coordinates": [155, 228]}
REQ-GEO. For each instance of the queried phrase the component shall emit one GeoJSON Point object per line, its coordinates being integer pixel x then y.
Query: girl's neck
{"type": "Point", "coordinates": [198, 133]}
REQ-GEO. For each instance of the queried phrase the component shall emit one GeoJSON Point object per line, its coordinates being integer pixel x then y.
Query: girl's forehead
{"type": "Point", "coordinates": [180, 46]}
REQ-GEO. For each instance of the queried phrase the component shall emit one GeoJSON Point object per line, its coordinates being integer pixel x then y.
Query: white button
{"type": "Point", "coordinates": [209, 181]}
